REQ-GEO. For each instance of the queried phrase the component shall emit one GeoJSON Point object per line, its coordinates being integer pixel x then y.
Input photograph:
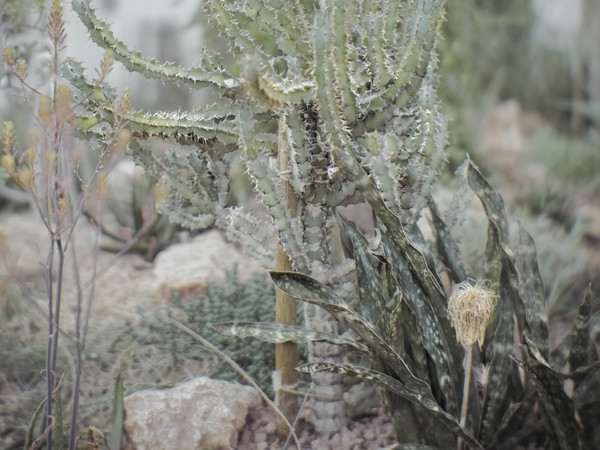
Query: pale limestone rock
{"type": "Point", "coordinates": [187, 267]}
{"type": "Point", "coordinates": [505, 135]}
{"type": "Point", "coordinates": [198, 414]}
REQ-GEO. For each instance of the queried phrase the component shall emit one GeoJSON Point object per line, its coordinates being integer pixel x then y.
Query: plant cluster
{"type": "Point", "coordinates": [247, 300]}
{"type": "Point", "coordinates": [50, 170]}
{"type": "Point", "coordinates": [404, 322]}
{"type": "Point", "coordinates": [344, 93]}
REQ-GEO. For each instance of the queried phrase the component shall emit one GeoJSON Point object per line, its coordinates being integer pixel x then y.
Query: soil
{"type": "Point", "coordinates": [369, 432]}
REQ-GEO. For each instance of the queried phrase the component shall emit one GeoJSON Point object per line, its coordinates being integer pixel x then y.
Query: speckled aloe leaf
{"type": "Point", "coordinates": [369, 279]}
{"type": "Point", "coordinates": [493, 205]}
{"type": "Point", "coordinates": [446, 245]}
{"type": "Point", "coordinates": [419, 283]}
{"type": "Point", "coordinates": [556, 405]}
{"type": "Point", "coordinates": [512, 430]}
{"type": "Point", "coordinates": [582, 352]}
{"type": "Point", "coordinates": [533, 291]}
{"type": "Point", "coordinates": [207, 73]}
{"type": "Point", "coordinates": [424, 399]}
{"type": "Point", "coordinates": [498, 353]}
{"type": "Point", "coordinates": [277, 333]}
{"type": "Point", "coordinates": [307, 289]}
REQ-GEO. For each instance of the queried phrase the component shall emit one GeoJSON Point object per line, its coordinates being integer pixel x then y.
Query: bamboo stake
{"type": "Point", "coordinates": [286, 353]}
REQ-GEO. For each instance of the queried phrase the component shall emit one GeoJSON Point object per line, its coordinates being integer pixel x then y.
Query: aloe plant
{"type": "Point", "coordinates": [305, 77]}
{"type": "Point", "coordinates": [400, 318]}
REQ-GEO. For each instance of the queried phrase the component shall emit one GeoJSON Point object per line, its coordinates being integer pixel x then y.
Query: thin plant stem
{"type": "Point", "coordinates": [468, 365]}
{"type": "Point", "coordinates": [239, 370]}
{"type": "Point", "coordinates": [49, 373]}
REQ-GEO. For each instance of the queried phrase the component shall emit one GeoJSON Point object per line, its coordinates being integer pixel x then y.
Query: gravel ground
{"type": "Point", "coordinates": [370, 432]}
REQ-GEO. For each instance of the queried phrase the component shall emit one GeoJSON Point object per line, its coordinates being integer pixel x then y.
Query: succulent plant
{"type": "Point", "coordinates": [401, 318]}
{"type": "Point", "coordinates": [305, 78]}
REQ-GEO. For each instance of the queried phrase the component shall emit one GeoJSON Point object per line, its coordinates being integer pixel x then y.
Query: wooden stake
{"type": "Point", "coordinates": [286, 354]}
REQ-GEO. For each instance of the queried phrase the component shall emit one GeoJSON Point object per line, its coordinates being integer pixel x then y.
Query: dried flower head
{"type": "Point", "coordinates": [469, 310]}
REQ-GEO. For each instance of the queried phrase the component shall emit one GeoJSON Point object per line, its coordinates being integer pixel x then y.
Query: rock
{"type": "Point", "coordinates": [189, 266]}
{"type": "Point", "coordinates": [198, 414]}
{"type": "Point", "coordinates": [504, 138]}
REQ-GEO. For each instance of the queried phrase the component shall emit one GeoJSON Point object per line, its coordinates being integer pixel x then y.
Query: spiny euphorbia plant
{"type": "Point", "coordinates": [304, 78]}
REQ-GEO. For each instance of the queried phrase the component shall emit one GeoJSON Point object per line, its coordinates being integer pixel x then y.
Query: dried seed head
{"type": "Point", "coordinates": [469, 310]}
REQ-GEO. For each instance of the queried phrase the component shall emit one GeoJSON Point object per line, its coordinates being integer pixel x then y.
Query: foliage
{"type": "Point", "coordinates": [346, 91]}
{"type": "Point", "coordinates": [305, 76]}
{"type": "Point", "coordinates": [570, 159]}
{"type": "Point", "coordinates": [249, 300]}
{"type": "Point", "coordinates": [135, 226]}
{"type": "Point", "coordinates": [401, 316]}
{"type": "Point", "coordinates": [48, 170]}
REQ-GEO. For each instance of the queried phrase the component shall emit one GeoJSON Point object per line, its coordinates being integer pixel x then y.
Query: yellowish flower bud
{"type": "Point", "coordinates": [125, 103]}
{"type": "Point", "coordinates": [45, 110]}
{"type": "Point", "coordinates": [30, 155]}
{"type": "Point", "coordinates": [21, 69]}
{"type": "Point", "coordinates": [8, 162]}
{"type": "Point", "coordinates": [9, 139]}
{"type": "Point", "coordinates": [469, 310]}
{"type": "Point", "coordinates": [63, 206]}
{"type": "Point", "coordinates": [50, 158]}
{"type": "Point", "coordinates": [120, 144]}
{"type": "Point", "coordinates": [64, 110]}
{"type": "Point", "coordinates": [9, 56]}
{"type": "Point", "coordinates": [25, 177]}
